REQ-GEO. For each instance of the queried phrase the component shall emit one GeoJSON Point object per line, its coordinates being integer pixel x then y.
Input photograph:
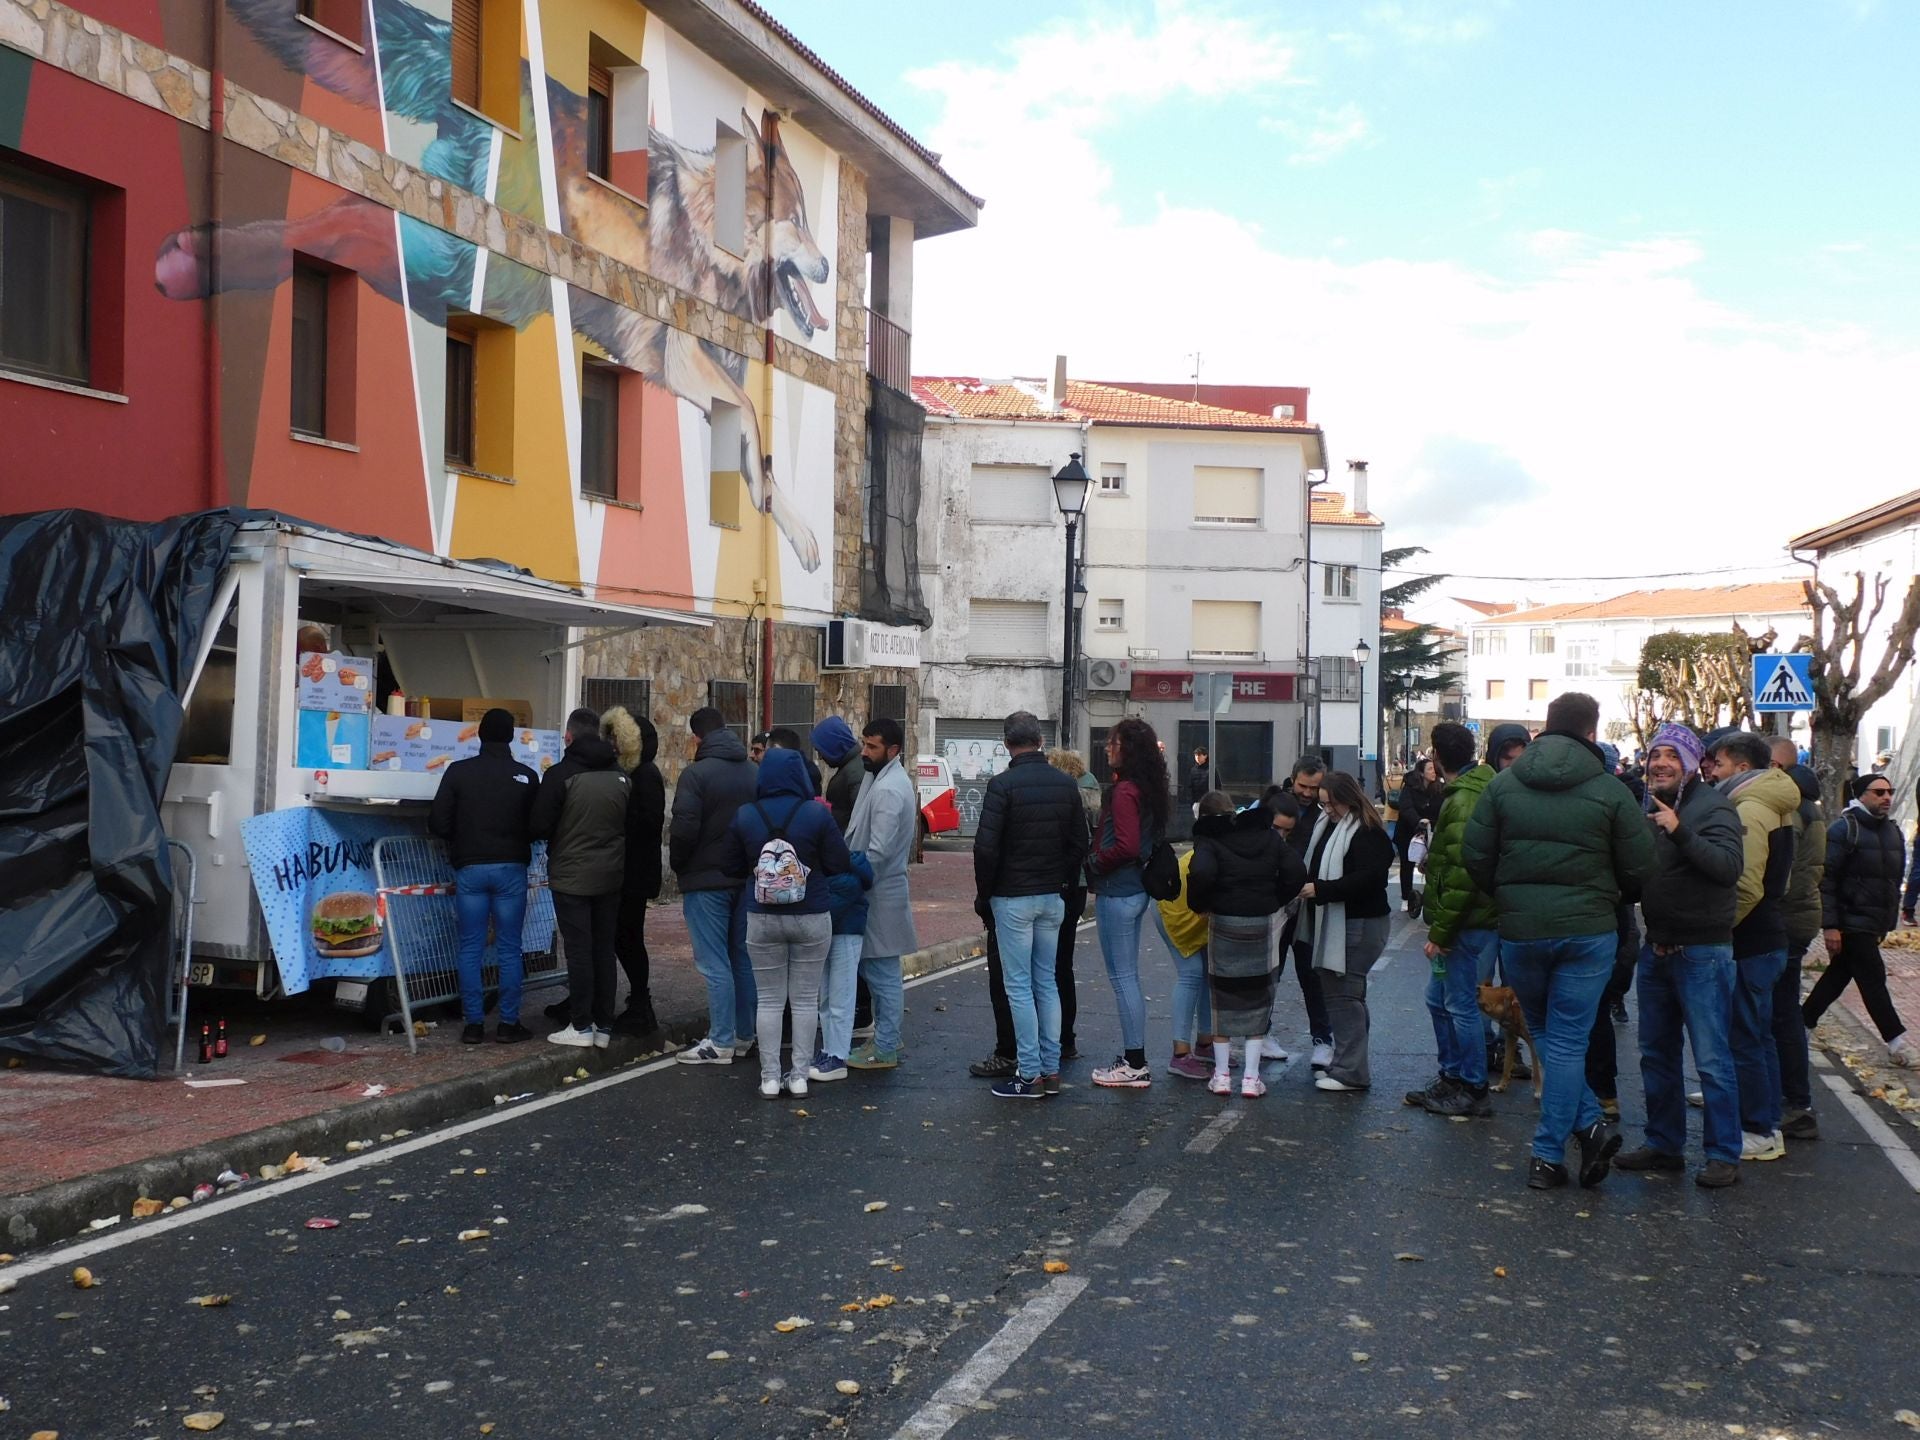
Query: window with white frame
{"type": "Point", "coordinates": [1339, 678]}
{"type": "Point", "coordinates": [1583, 657]}
{"type": "Point", "coordinates": [1226, 494]}
{"type": "Point", "coordinates": [1540, 641]}
{"type": "Point", "coordinates": [1112, 615]}
{"type": "Point", "coordinates": [1489, 642]}
{"type": "Point", "coordinates": [1339, 582]}
{"type": "Point", "coordinates": [1226, 628]}
{"type": "Point", "coordinates": [1113, 478]}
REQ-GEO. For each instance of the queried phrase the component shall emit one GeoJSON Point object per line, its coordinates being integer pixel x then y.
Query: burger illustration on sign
{"type": "Point", "coordinates": [346, 926]}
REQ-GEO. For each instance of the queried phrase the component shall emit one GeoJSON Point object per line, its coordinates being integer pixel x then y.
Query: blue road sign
{"type": "Point", "coordinates": [1782, 683]}
{"type": "Point", "coordinates": [1473, 725]}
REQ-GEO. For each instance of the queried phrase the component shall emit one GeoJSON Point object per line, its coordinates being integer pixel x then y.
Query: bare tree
{"type": "Point", "coordinates": [1841, 630]}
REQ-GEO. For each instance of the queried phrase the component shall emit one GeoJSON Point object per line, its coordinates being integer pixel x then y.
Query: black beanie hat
{"type": "Point", "coordinates": [496, 726]}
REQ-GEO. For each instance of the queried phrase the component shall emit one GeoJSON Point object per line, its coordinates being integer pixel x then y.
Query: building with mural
{"type": "Point", "coordinates": [609, 292]}
{"type": "Point", "coordinates": [1194, 559]}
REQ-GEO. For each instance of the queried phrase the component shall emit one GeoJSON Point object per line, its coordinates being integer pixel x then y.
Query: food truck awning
{"type": "Point", "coordinates": [472, 588]}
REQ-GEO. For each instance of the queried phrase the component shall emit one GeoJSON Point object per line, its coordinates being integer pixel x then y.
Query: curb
{"type": "Point", "coordinates": [66, 1208]}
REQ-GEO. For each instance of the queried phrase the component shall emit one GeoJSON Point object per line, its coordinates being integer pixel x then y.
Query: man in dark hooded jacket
{"type": "Point", "coordinates": [646, 818]}
{"type": "Point", "coordinates": [837, 746]}
{"type": "Point", "coordinates": [581, 812]}
{"type": "Point", "coordinates": [708, 795]}
{"type": "Point", "coordinates": [1860, 895]}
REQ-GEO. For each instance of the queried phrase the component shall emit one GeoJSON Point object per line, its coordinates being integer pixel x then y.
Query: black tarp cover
{"type": "Point", "coordinates": [890, 576]}
{"type": "Point", "coordinates": [100, 623]}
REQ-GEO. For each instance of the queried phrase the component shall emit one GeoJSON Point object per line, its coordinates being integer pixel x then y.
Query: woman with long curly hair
{"type": "Point", "coordinates": [1133, 818]}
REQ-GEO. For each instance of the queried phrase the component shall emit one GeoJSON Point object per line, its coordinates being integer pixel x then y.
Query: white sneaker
{"type": "Point", "coordinates": [1327, 1082]}
{"type": "Point", "coordinates": [1697, 1099]}
{"type": "Point", "coordinates": [1272, 1049]}
{"type": "Point", "coordinates": [743, 1048]}
{"type": "Point", "coordinates": [1762, 1147]}
{"type": "Point", "coordinates": [863, 1032]}
{"type": "Point", "coordinates": [601, 1038]}
{"type": "Point", "coordinates": [579, 1039]}
{"type": "Point", "coordinates": [770, 1089]}
{"type": "Point", "coordinates": [1903, 1052]}
{"type": "Point", "coordinates": [797, 1083]}
{"type": "Point", "coordinates": [1322, 1056]}
{"type": "Point", "coordinates": [705, 1053]}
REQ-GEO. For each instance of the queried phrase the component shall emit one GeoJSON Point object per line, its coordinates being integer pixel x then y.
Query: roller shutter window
{"type": "Point", "coordinates": [600, 121]}
{"type": "Point", "coordinates": [1226, 495]}
{"type": "Point", "coordinates": [1007, 629]}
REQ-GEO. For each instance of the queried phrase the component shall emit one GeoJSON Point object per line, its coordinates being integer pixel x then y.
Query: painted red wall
{"type": "Point", "coordinates": [144, 459]}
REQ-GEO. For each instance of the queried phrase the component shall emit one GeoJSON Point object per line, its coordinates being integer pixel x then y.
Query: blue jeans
{"type": "Point", "coordinates": [1756, 1060]}
{"type": "Point", "coordinates": [717, 925]}
{"type": "Point", "coordinates": [1453, 1000]}
{"type": "Point", "coordinates": [889, 992]}
{"type": "Point", "coordinates": [1120, 917]}
{"type": "Point", "coordinates": [1690, 989]}
{"type": "Point", "coordinates": [497, 893]}
{"type": "Point", "coordinates": [836, 995]}
{"type": "Point", "coordinates": [1790, 1031]}
{"type": "Point", "coordinates": [1559, 983]}
{"type": "Point", "coordinates": [1192, 999]}
{"type": "Point", "coordinates": [1029, 931]}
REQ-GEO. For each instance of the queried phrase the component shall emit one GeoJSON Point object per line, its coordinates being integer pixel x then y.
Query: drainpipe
{"type": "Point", "coordinates": [769, 553]}
{"type": "Point", "coordinates": [216, 210]}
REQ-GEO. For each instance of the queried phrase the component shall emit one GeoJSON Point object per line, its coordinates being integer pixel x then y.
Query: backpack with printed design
{"type": "Point", "coordinates": [778, 876]}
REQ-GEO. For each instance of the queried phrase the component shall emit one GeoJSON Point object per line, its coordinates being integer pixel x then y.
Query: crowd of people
{"type": "Point", "coordinates": [1697, 880]}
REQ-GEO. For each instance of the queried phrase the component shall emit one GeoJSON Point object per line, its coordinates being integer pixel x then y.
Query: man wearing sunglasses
{"type": "Point", "coordinates": [1860, 903]}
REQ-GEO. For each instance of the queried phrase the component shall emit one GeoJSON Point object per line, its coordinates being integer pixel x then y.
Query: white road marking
{"type": "Point", "coordinates": [1216, 1131]}
{"type": "Point", "coordinates": [964, 965]}
{"type": "Point", "coordinates": [1878, 1131]}
{"type": "Point", "coordinates": [1135, 1213]}
{"type": "Point", "coordinates": [955, 1400]}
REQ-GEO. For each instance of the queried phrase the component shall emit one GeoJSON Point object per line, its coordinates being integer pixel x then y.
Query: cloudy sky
{"type": "Point", "coordinates": [1599, 290]}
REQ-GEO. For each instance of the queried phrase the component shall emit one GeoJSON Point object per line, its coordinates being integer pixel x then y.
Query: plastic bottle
{"type": "Point", "coordinates": [334, 1045]}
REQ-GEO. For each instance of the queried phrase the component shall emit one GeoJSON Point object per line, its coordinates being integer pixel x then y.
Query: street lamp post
{"type": "Point", "coordinates": [1363, 652]}
{"type": "Point", "coordinates": [1070, 489]}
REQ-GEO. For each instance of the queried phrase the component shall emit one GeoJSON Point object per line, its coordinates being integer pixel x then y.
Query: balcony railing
{"type": "Point", "coordinates": [889, 353]}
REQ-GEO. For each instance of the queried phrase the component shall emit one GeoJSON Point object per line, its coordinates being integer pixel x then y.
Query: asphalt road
{"type": "Point", "coordinates": [1303, 1264]}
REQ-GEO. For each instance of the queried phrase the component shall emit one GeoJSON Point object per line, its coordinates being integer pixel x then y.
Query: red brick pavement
{"type": "Point", "coordinates": [1902, 954]}
{"type": "Point", "coordinates": [55, 1125]}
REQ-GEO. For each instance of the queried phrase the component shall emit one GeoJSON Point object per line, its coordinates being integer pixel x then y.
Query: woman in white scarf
{"type": "Point", "coordinates": [1345, 918]}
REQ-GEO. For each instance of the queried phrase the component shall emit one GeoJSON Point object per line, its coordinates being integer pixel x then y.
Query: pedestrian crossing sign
{"type": "Point", "coordinates": [1782, 683]}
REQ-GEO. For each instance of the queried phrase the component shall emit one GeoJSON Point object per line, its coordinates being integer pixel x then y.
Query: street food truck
{"type": "Point", "coordinates": [341, 677]}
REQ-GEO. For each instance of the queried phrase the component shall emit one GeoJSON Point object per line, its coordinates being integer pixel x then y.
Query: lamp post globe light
{"type": "Point", "coordinates": [1362, 652]}
{"type": "Point", "coordinates": [1070, 487]}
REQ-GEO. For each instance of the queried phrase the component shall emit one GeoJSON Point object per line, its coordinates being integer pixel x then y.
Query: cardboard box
{"type": "Point", "coordinates": [331, 740]}
{"type": "Point", "coordinates": [342, 684]}
{"type": "Point", "coordinates": [473, 707]}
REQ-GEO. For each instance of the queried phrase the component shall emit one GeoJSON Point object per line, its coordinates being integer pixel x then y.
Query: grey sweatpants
{"type": "Point", "coordinates": [789, 953]}
{"type": "Point", "coordinates": [1346, 996]}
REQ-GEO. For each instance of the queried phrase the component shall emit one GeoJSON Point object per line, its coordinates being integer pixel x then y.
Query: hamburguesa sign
{"type": "Point", "coordinates": [1270, 687]}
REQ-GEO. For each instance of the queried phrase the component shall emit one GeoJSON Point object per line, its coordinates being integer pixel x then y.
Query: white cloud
{"type": "Point", "coordinates": [1328, 134]}
{"type": "Point", "coordinates": [1655, 428]}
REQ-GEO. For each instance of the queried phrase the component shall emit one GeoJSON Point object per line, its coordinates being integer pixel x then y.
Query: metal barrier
{"type": "Point", "coordinates": [186, 895]}
{"type": "Point", "coordinates": [415, 887]}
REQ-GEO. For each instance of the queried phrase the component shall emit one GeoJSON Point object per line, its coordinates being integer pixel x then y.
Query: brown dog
{"type": "Point", "coordinates": [1500, 1004]}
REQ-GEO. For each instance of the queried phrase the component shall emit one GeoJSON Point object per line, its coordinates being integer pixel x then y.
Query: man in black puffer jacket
{"type": "Point", "coordinates": [483, 810]}
{"type": "Point", "coordinates": [1032, 839]}
{"type": "Point", "coordinates": [1860, 903]}
{"type": "Point", "coordinates": [581, 812]}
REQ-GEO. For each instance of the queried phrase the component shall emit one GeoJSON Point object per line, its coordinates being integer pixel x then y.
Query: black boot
{"type": "Point", "coordinates": [1544, 1174]}
{"type": "Point", "coordinates": [1598, 1146]}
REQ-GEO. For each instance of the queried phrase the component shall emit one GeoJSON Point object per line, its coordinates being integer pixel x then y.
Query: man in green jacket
{"type": "Point", "coordinates": [1558, 842]}
{"type": "Point", "coordinates": [1461, 938]}
{"type": "Point", "coordinates": [1802, 909]}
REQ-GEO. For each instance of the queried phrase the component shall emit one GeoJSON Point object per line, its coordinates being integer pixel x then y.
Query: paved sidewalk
{"type": "Point", "coordinates": [57, 1125]}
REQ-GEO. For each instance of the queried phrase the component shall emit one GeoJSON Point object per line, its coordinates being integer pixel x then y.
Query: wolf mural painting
{"type": "Point", "coordinates": [767, 277]}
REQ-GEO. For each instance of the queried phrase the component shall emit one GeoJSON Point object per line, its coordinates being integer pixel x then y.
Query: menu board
{"type": "Point", "coordinates": [340, 683]}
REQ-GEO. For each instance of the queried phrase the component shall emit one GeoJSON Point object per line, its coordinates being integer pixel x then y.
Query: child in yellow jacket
{"type": "Point", "coordinates": [1186, 935]}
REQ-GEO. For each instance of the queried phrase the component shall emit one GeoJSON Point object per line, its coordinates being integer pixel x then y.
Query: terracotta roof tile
{"type": "Point", "coordinates": [969, 398]}
{"type": "Point", "coordinates": [1485, 607]}
{"type": "Point", "coordinates": [1772, 597]}
{"type": "Point", "coordinates": [1330, 508]}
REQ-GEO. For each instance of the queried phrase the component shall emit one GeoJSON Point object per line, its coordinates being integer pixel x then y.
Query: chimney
{"type": "Point", "coordinates": [1057, 386]}
{"type": "Point", "coordinates": [1357, 486]}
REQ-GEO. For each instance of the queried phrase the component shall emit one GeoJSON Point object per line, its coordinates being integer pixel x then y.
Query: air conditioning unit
{"type": "Point", "coordinates": [1100, 673]}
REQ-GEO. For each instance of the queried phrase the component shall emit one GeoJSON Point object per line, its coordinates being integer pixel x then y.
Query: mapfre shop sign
{"type": "Point", "coordinates": [1257, 687]}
